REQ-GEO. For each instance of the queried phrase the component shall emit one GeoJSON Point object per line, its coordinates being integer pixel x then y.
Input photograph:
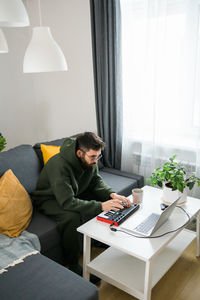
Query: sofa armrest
{"type": "Point", "coordinates": [138, 178]}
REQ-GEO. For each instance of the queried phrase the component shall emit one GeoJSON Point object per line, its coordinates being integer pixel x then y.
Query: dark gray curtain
{"type": "Point", "coordinates": [106, 39]}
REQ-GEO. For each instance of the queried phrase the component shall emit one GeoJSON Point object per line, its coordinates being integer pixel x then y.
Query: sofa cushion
{"type": "Point", "coordinates": [120, 184]}
{"type": "Point", "coordinates": [133, 176]}
{"type": "Point", "coordinates": [24, 163]}
{"type": "Point", "coordinates": [46, 230]}
{"type": "Point", "coordinates": [48, 151]}
{"type": "Point", "coordinates": [37, 148]}
{"type": "Point", "coordinates": [15, 205]}
{"type": "Point", "coordinates": [41, 278]}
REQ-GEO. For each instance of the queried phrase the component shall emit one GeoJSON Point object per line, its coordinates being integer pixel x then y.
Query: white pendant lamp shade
{"type": "Point", "coordinates": [3, 43]}
{"type": "Point", "coordinates": [43, 54]}
{"type": "Point", "coordinates": [13, 14]}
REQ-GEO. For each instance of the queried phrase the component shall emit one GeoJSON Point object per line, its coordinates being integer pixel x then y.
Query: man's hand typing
{"type": "Point", "coordinates": [116, 202]}
{"type": "Point", "coordinates": [112, 204]}
{"type": "Point", "coordinates": [121, 198]}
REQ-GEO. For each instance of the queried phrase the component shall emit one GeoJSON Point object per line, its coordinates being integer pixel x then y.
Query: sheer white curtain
{"type": "Point", "coordinates": [161, 84]}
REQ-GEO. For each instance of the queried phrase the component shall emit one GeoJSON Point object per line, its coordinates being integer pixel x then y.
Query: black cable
{"type": "Point", "coordinates": [153, 237]}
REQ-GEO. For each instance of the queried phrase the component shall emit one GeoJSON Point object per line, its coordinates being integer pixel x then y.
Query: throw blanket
{"type": "Point", "coordinates": [14, 250]}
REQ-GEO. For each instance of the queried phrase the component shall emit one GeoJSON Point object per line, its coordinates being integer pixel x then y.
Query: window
{"type": "Point", "coordinates": [160, 47]}
{"type": "Point", "coordinates": [161, 83]}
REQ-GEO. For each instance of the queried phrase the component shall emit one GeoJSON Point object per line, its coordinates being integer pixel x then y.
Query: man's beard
{"type": "Point", "coordinates": [85, 165]}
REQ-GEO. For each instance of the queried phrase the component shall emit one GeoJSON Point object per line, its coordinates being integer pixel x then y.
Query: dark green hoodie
{"type": "Point", "coordinates": [63, 179]}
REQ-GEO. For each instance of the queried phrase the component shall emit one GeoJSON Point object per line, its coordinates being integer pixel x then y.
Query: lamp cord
{"type": "Point", "coordinates": [156, 236]}
{"type": "Point", "coordinates": [40, 14]}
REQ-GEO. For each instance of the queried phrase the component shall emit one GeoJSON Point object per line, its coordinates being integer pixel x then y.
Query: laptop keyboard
{"type": "Point", "coordinates": [147, 224]}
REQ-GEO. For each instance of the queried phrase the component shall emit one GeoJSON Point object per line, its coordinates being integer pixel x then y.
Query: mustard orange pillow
{"type": "Point", "coordinates": [48, 151]}
{"type": "Point", "coordinates": [15, 205]}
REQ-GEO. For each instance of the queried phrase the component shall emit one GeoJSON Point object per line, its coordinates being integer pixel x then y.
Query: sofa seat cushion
{"type": "Point", "coordinates": [120, 184]}
{"type": "Point", "coordinates": [46, 230]}
{"type": "Point", "coordinates": [41, 278]}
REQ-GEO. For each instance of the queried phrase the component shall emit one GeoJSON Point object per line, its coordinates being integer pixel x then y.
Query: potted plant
{"type": "Point", "coordinates": [174, 180]}
{"type": "Point", "coordinates": [2, 142]}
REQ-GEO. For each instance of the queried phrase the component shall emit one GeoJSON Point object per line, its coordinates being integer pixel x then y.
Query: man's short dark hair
{"type": "Point", "coordinates": [89, 140]}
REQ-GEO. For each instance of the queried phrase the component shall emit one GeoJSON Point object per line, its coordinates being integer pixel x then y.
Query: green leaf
{"type": "Point", "coordinates": [174, 188]}
{"type": "Point", "coordinates": [2, 143]}
{"type": "Point", "coordinates": [160, 184]}
{"type": "Point", "coordinates": [191, 185]}
{"type": "Point", "coordinates": [180, 187]}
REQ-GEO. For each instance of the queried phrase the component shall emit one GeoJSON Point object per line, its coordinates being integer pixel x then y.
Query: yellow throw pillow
{"type": "Point", "coordinates": [48, 151]}
{"type": "Point", "coordinates": [15, 205]}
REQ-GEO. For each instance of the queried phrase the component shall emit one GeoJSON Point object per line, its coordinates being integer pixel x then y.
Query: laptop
{"type": "Point", "coordinates": [150, 224]}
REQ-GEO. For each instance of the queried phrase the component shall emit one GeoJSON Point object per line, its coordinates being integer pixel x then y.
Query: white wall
{"type": "Point", "coordinates": [45, 106]}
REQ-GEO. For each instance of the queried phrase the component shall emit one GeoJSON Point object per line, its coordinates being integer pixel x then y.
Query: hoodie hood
{"type": "Point", "coordinates": [68, 151]}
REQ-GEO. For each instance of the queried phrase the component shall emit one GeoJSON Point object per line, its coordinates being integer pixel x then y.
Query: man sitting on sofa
{"type": "Point", "coordinates": [71, 191]}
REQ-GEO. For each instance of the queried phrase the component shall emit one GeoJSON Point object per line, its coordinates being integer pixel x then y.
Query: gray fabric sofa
{"type": "Point", "coordinates": [40, 278]}
{"type": "Point", "coordinates": [26, 163]}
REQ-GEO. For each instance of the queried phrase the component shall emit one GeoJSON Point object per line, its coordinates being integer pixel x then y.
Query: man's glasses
{"type": "Point", "coordinates": [92, 157]}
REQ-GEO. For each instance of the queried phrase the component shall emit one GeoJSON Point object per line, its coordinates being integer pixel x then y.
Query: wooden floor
{"type": "Point", "coordinates": [181, 282]}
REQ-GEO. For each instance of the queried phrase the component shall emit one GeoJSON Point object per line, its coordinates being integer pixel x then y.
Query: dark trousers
{"type": "Point", "coordinates": [67, 222]}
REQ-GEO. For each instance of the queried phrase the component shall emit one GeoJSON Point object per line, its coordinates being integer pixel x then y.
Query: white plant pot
{"type": "Point", "coordinates": [170, 196]}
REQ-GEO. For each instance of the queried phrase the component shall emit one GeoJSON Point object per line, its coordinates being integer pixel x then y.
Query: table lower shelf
{"type": "Point", "coordinates": [127, 272]}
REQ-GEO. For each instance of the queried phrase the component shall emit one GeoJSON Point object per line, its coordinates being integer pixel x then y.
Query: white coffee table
{"type": "Point", "coordinates": [136, 265]}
